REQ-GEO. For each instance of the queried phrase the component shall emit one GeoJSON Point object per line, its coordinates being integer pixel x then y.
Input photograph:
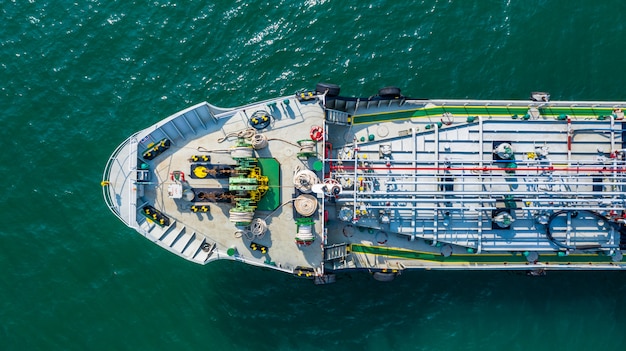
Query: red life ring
{"type": "Point", "coordinates": [317, 133]}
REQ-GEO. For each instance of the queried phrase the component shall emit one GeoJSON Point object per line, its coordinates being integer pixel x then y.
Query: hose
{"type": "Point", "coordinates": [573, 247]}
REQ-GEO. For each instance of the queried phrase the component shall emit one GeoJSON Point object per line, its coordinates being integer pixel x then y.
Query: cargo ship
{"type": "Point", "coordinates": [316, 183]}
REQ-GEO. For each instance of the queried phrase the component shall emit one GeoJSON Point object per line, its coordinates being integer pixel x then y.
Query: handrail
{"type": "Point", "coordinates": [106, 193]}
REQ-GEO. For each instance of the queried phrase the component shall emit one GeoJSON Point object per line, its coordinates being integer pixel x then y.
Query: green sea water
{"type": "Point", "coordinates": [78, 77]}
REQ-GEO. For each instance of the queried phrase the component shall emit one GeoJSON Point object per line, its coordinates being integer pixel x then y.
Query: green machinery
{"type": "Point", "coordinates": [248, 184]}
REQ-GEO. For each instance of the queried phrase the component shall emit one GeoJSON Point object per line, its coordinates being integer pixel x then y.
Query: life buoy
{"type": "Point", "coordinates": [317, 133]}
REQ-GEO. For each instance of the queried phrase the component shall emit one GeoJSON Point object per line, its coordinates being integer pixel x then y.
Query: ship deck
{"type": "Point", "coordinates": [395, 183]}
{"type": "Point", "coordinates": [205, 233]}
{"type": "Point", "coordinates": [429, 183]}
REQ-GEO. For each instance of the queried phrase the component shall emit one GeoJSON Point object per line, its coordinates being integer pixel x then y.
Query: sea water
{"type": "Point", "coordinates": [78, 77]}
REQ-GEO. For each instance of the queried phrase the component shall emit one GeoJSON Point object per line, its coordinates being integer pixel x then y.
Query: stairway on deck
{"type": "Point", "coordinates": [336, 251]}
{"type": "Point", "coordinates": [337, 117]}
{"type": "Point", "coordinates": [192, 246]}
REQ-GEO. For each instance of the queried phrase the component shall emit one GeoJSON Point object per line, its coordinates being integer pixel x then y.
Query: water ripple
{"type": "Point", "coordinates": [79, 77]}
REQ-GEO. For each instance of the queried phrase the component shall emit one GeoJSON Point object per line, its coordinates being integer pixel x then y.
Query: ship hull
{"type": "Point", "coordinates": [317, 183]}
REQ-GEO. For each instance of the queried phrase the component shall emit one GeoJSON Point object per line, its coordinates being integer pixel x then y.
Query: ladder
{"type": "Point", "coordinates": [335, 251]}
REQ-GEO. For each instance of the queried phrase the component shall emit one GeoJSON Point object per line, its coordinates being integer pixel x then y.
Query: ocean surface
{"type": "Point", "coordinates": [78, 77]}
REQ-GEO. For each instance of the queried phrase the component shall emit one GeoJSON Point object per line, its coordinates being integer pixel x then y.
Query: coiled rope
{"type": "Point", "coordinates": [246, 133]}
{"type": "Point", "coordinates": [306, 205]}
{"type": "Point", "coordinates": [258, 227]}
{"type": "Point", "coordinates": [303, 180]}
{"type": "Point", "coordinates": [241, 152]}
{"type": "Point", "coordinates": [305, 233]}
{"type": "Point", "coordinates": [307, 146]}
{"type": "Point", "coordinates": [259, 141]}
{"type": "Point", "coordinates": [240, 217]}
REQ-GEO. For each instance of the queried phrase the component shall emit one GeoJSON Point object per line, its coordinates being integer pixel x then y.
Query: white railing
{"type": "Point", "coordinates": [106, 181]}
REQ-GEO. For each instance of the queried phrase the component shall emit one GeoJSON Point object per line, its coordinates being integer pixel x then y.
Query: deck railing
{"type": "Point", "coordinates": [106, 181]}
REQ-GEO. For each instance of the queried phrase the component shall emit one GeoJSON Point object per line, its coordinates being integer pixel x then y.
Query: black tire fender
{"type": "Point", "coordinates": [328, 88]}
{"type": "Point", "coordinates": [389, 92]}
